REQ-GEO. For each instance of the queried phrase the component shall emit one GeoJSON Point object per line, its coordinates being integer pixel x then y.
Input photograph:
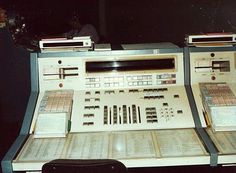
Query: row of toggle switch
{"type": "Point", "coordinates": [121, 115]}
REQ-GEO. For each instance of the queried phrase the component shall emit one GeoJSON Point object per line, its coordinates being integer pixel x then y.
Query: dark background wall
{"type": "Point", "coordinates": [14, 89]}
{"type": "Point", "coordinates": [169, 20]}
{"type": "Point", "coordinates": [129, 21]}
{"type": "Point", "coordinates": [117, 21]}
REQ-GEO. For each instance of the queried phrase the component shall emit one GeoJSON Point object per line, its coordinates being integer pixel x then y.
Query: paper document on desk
{"type": "Point", "coordinates": [126, 145]}
{"type": "Point", "coordinates": [224, 141]}
{"type": "Point", "coordinates": [183, 142]}
{"type": "Point", "coordinates": [135, 144]}
{"type": "Point", "coordinates": [87, 146]}
{"type": "Point", "coordinates": [42, 149]}
{"type": "Point", "coordinates": [54, 114]}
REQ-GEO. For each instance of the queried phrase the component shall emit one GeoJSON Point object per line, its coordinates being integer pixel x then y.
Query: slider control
{"type": "Point", "coordinates": [68, 71]}
{"type": "Point", "coordinates": [59, 73]}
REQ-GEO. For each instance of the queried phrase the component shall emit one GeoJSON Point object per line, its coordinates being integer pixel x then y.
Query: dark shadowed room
{"type": "Point", "coordinates": [118, 86]}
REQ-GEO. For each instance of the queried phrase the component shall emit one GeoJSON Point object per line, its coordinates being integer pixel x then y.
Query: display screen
{"type": "Point", "coordinates": [63, 44]}
{"type": "Point", "coordinates": [130, 65]}
{"type": "Point", "coordinates": [211, 39]}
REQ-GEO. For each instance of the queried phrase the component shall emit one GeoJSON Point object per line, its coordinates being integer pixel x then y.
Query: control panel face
{"type": "Point", "coordinates": [212, 67]}
{"type": "Point", "coordinates": [131, 92]}
{"type": "Point", "coordinates": [93, 73]}
{"type": "Point", "coordinates": [131, 109]}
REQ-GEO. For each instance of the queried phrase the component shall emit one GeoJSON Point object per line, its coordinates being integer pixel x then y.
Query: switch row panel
{"type": "Point", "coordinates": [129, 109]}
{"type": "Point", "coordinates": [110, 71]}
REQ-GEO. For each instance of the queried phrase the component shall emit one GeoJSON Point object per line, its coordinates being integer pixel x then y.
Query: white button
{"type": "Point", "coordinates": [140, 77]}
{"type": "Point", "coordinates": [140, 83]}
{"type": "Point", "coordinates": [145, 77]}
{"type": "Point", "coordinates": [130, 83]}
{"type": "Point", "coordinates": [145, 83]}
{"type": "Point", "coordinates": [97, 85]}
{"type": "Point", "coordinates": [92, 79]}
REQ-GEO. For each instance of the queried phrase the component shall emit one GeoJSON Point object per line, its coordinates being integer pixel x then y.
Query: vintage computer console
{"type": "Point", "coordinates": [134, 106]}
{"type": "Point", "coordinates": [213, 82]}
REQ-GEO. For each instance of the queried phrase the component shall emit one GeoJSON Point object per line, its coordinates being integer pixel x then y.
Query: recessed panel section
{"type": "Point", "coordinates": [212, 39]}
{"type": "Point", "coordinates": [131, 109]}
{"type": "Point", "coordinates": [202, 66]}
{"type": "Point", "coordinates": [131, 65]}
{"type": "Point", "coordinates": [71, 44]}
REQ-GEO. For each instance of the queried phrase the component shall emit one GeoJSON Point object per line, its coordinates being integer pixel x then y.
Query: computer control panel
{"type": "Point", "coordinates": [125, 92]}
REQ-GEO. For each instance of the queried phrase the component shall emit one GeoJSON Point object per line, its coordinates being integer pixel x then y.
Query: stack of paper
{"type": "Point", "coordinates": [54, 114]}
{"type": "Point", "coordinates": [220, 104]}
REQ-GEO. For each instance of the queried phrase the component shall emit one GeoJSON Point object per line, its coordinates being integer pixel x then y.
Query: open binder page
{"type": "Point", "coordinates": [135, 144]}
{"type": "Point", "coordinates": [87, 146]}
{"type": "Point", "coordinates": [179, 143]}
{"type": "Point", "coordinates": [43, 149]}
{"type": "Point", "coordinates": [117, 145]}
{"type": "Point", "coordinates": [224, 141]}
